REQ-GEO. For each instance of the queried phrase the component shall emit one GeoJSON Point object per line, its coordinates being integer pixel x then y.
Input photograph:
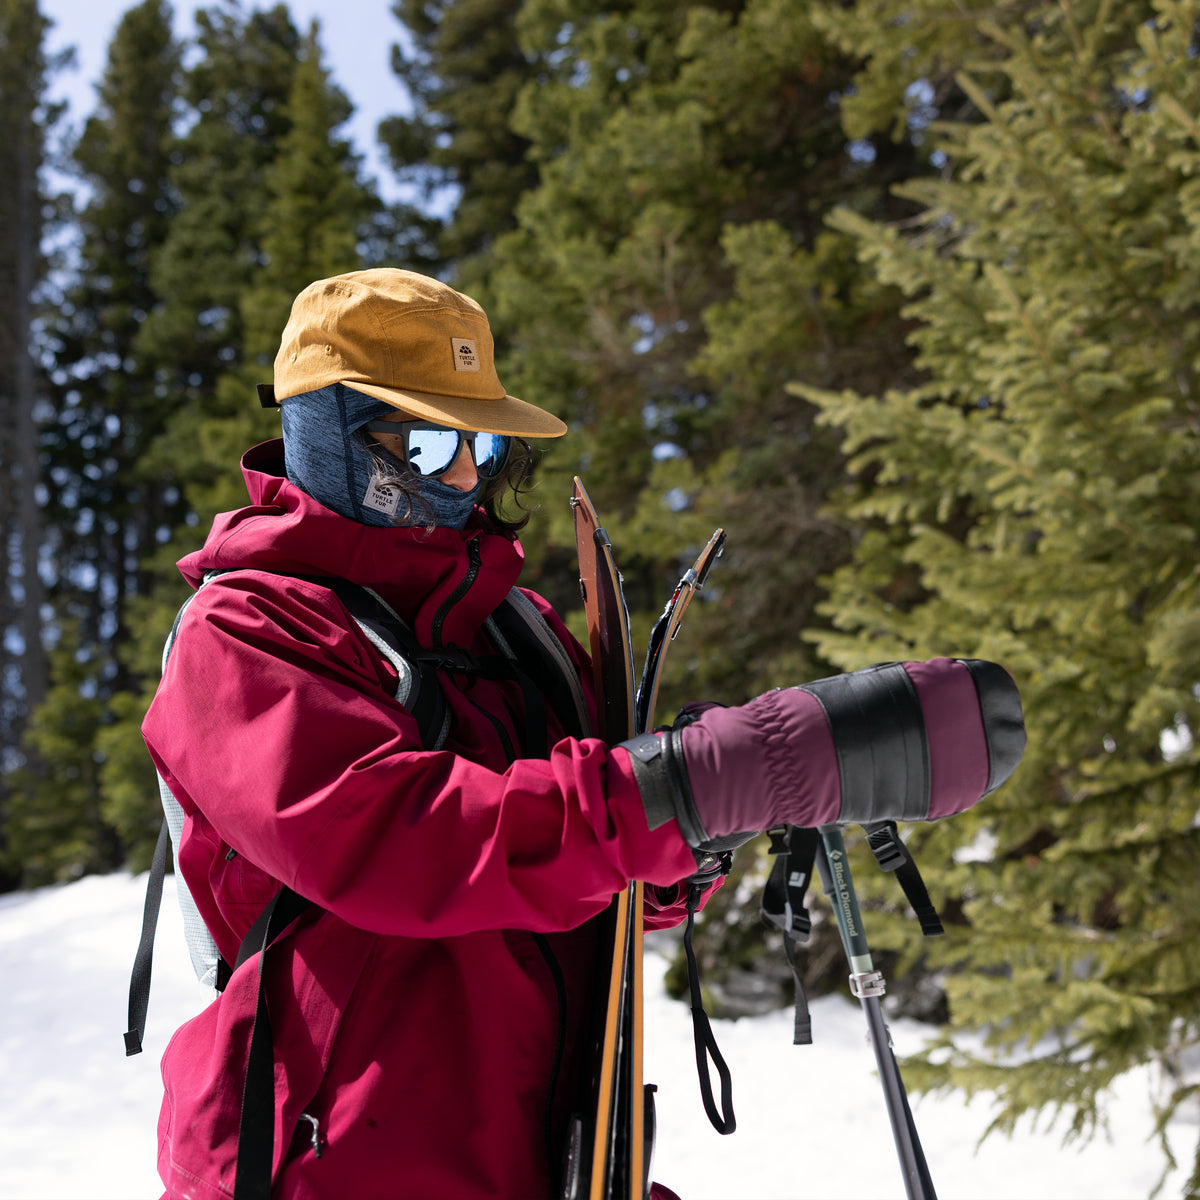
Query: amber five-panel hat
{"type": "Point", "coordinates": [408, 340]}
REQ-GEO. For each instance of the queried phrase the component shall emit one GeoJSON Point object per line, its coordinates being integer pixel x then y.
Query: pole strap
{"type": "Point", "coordinates": [893, 855]}
{"type": "Point", "coordinates": [783, 908]}
{"type": "Point", "coordinates": [722, 1120]}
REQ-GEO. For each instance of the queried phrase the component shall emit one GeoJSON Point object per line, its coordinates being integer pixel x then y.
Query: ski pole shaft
{"type": "Point", "coordinates": [868, 985]}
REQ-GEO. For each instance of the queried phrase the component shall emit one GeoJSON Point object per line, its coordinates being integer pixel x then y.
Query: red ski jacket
{"type": "Point", "coordinates": [418, 1009]}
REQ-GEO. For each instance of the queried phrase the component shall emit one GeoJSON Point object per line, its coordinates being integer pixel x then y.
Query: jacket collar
{"type": "Point", "coordinates": [444, 583]}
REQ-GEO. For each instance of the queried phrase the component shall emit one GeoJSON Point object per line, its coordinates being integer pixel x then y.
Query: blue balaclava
{"type": "Point", "coordinates": [326, 456]}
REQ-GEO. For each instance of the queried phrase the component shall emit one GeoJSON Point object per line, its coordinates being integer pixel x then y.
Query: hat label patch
{"type": "Point", "coordinates": [381, 496]}
{"type": "Point", "coordinates": [466, 358]}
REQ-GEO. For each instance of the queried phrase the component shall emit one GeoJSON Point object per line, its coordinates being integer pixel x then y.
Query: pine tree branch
{"type": "Point", "coordinates": [985, 451]}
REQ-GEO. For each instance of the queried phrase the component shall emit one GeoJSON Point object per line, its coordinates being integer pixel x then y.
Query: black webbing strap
{"type": "Point", "coordinates": [256, 1132]}
{"type": "Point", "coordinates": [796, 850]}
{"type": "Point", "coordinates": [893, 855]}
{"type": "Point", "coordinates": [536, 661]}
{"type": "Point", "coordinates": [427, 704]}
{"type": "Point", "coordinates": [723, 1121]}
{"type": "Point", "coordinates": [783, 908]}
{"type": "Point", "coordinates": [535, 733]}
{"type": "Point", "coordinates": [143, 960]}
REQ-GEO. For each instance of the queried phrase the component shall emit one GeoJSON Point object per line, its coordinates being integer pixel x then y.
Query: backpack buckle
{"type": "Point", "coordinates": [450, 659]}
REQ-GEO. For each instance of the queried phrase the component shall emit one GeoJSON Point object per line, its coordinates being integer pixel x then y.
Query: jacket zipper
{"type": "Point", "coordinates": [475, 560]}
{"type": "Point", "coordinates": [464, 586]}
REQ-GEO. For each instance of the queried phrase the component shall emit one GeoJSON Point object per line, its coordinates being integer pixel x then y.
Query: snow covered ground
{"type": "Point", "coordinates": [77, 1118]}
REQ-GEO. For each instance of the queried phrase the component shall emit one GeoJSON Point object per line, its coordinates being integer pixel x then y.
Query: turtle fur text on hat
{"type": "Point", "coordinates": [409, 341]}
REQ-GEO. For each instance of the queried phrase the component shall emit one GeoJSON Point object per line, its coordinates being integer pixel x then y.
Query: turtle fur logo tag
{"type": "Point", "coordinates": [465, 356]}
{"type": "Point", "coordinates": [381, 496]}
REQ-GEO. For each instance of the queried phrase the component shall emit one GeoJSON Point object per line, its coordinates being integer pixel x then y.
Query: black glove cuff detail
{"type": "Point", "coordinates": [645, 756]}
{"type": "Point", "coordinates": [661, 774]}
{"type": "Point", "coordinates": [731, 841]}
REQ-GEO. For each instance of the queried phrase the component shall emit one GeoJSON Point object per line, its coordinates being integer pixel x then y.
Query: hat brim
{"type": "Point", "coordinates": [517, 418]}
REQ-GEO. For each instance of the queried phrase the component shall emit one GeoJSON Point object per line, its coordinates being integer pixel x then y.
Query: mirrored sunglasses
{"type": "Point", "coordinates": [430, 450]}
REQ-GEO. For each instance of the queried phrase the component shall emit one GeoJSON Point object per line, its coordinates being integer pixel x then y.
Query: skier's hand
{"type": "Point", "coordinates": [901, 741]}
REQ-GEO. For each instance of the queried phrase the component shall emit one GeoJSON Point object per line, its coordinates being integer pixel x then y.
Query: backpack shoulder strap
{"type": "Point", "coordinates": [417, 687]}
{"type": "Point", "coordinates": [391, 635]}
{"type": "Point", "coordinates": [524, 636]}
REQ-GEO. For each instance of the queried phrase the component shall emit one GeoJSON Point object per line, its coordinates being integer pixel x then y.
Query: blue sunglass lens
{"type": "Point", "coordinates": [491, 449]}
{"type": "Point", "coordinates": [432, 450]}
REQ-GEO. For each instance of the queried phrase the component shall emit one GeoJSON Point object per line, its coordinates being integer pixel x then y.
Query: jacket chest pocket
{"type": "Point", "coordinates": [239, 886]}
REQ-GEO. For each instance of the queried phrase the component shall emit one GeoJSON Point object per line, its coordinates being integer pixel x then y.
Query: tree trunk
{"type": "Point", "coordinates": [26, 232]}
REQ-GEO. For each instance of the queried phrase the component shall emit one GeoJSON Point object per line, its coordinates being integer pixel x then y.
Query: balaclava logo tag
{"type": "Point", "coordinates": [381, 497]}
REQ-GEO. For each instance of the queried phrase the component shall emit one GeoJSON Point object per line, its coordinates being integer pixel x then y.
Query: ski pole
{"type": "Point", "coordinates": [868, 985]}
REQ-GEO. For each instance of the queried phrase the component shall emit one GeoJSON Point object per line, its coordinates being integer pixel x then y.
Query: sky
{"type": "Point", "coordinates": [78, 1119]}
{"type": "Point", "coordinates": [356, 36]}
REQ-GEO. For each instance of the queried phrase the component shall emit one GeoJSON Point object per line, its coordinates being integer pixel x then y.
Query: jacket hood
{"type": "Point", "coordinates": [417, 571]}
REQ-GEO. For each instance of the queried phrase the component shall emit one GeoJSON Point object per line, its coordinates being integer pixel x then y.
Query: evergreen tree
{"type": "Point", "coordinates": [687, 151]}
{"type": "Point", "coordinates": [55, 829]}
{"type": "Point", "coordinates": [672, 140]}
{"type": "Point", "coordinates": [304, 213]}
{"type": "Point", "coordinates": [462, 66]}
{"type": "Point", "coordinates": [1032, 499]}
{"type": "Point", "coordinates": [23, 77]}
{"type": "Point", "coordinates": [106, 514]}
{"type": "Point", "coordinates": [268, 202]}
{"type": "Point", "coordinates": [315, 207]}
{"type": "Point", "coordinates": [24, 120]}
{"type": "Point", "coordinates": [108, 409]}
{"type": "Point", "coordinates": [237, 89]}
{"type": "Point", "coordinates": [908, 55]}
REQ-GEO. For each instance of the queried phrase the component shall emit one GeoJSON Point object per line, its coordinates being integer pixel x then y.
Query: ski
{"type": "Point", "coordinates": [609, 1164]}
{"type": "Point", "coordinates": [666, 628]}
{"type": "Point", "coordinates": [610, 1160]}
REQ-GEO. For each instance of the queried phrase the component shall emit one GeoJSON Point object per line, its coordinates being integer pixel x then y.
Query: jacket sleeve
{"type": "Point", "coordinates": [276, 720]}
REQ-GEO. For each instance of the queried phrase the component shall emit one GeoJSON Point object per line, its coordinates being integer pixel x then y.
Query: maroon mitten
{"type": "Point", "coordinates": [901, 741]}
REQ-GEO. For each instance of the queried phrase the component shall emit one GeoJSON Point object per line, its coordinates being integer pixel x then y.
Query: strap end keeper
{"type": "Point", "coordinates": [266, 395]}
